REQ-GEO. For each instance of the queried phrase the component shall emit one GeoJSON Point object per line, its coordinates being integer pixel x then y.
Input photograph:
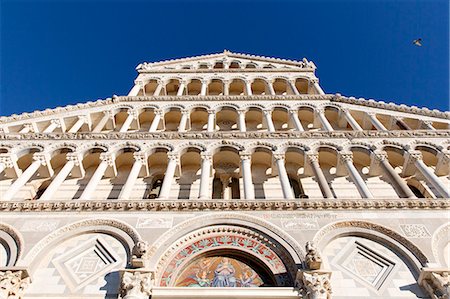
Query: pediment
{"type": "Point", "coordinates": [233, 60]}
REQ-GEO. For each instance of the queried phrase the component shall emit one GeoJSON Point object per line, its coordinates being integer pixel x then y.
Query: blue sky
{"type": "Point", "coordinates": [65, 52]}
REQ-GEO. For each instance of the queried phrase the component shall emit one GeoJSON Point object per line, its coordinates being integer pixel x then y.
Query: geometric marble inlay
{"type": "Point", "coordinates": [86, 263]}
{"type": "Point", "coordinates": [367, 265]}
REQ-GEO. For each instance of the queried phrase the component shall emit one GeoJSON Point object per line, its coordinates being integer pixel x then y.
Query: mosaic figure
{"type": "Point", "coordinates": [224, 274]}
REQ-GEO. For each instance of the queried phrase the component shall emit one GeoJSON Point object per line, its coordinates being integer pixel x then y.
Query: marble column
{"type": "Point", "coordinates": [315, 284]}
{"type": "Point", "coordinates": [126, 124]}
{"type": "Point", "coordinates": [226, 87]}
{"type": "Point", "coordinates": [183, 121]}
{"type": "Point", "coordinates": [181, 88]}
{"type": "Point", "coordinates": [375, 122]}
{"type": "Point", "coordinates": [401, 123]}
{"type": "Point", "coordinates": [156, 120]}
{"type": "Point", "coordinates": [347, 160]}
{"type": "Point", "coordinates": [429, 175]}
{"type": "Point", "coordinates": [136, 283]}
{"type": "Point", "coordinates": [283, 176]}
{"type": "Point", "coordinates": [297, 123]}
{"type": "Point", "coordinates": [205, 177]}
{"type": "Point", "coordinates": [293, 87]}
{"type": "Point", "coordinates": [353, 123]}
{"type": "Point", "coordinates": [248, 88]}
{"type": "Point", "coordinates": [168, 177]}
{"type": "Point", "coordinates": [158, 88]}
{"type": "Point", "coordinates": [106, 161]}
{"type": "Point", "coordinates": [270, 86]}
{"type": "Point", "coordinates": [8, 164]}
{"type": "Point", "coordinates": [78, 124]}
{"type": "Point", "coordinates": [323, 120]}
{"type": "Point", "coordinates": [140, 159]}
{"type": "Point", "coordinates": [242, 125]}
{"type": "Point", "coordinates": [317, 87]}
{"type": "Point", "coordinates": [211, 121]}
{"type": "Point", "coordinates": [38, 160]}
{"type": "Point", "coordinates": [313, 160]}
{"type": "Point", "coordinates": [27, 128]}
{"type": "Point", "coordinates": [427, 124]}
{"type": "Point", "coordinates": [387, 168]}
{"type": "Point", "coordinates": [58, 180]}
{"type": "Point", "coordinates": [268, 117]}
{"type": "Point", "coordinates": [54, 123]}
{"type": "Point", "coordinates": [135, 90]}
{"type": "Point", "coordinates": [101, 124]}
{"type": "Point", "coordinates": [249, 190]}
{"type": "Point", "coordinates": [204, 88]}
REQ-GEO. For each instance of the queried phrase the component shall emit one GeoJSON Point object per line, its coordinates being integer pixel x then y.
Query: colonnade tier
{"type": "Point", "coordinates": [225, 117]}
{"type": "Point", "coordinates": [228, 172]}
{"type": "Point", "coordinates": [221, 86]}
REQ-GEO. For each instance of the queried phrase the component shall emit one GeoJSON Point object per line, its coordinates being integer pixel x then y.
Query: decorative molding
{"type": "Point", "coordinates": [13, 282]}
{"type": "Point", "coordinates": [436, 282]}
{"type": "Point", "coordinates": [314, 284]}
{"type": "Point", "coordinates": [221, 205]}
{"type": "Point", "coordinates": [136, 284]}
{"type": "Point", "coordinates": [224, 135]}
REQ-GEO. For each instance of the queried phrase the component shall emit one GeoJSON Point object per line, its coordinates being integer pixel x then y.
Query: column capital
{"type": "Point", "coordinates": [293, 111]}
{"type": "Point", "coordinates": [314, 80]}
{"type": "Point", "coordinates": [206, 156]}
{"type": "Point", "coordinates": [205, 81]}
{"type": "Point", "coordinates": [346, 157]}
{"type": "Point", "coordinates": [74, 157]}
{"type": "Point", "coordinates": [371, 113]}
{"type": "Point", "coordinates": [415, 155]}
{"type": "Point", "coordinates": [267, 111]}
{"type": "Point", "coordinates": [245, 155]}
{"type": "Point", "coordinates": [242, 111]}
{"type": "Point", "coordinates": [29, 127]}
{"type": "Point", "coordinates": [173, 157]}
{"type": "Point", "coordinates": [140, 157]}
{"type": "Point", "coordinates": [14, 281]}
{"type": "Point", "coordinates": [380, 156]}
{"type": "Point", "coordinates": [436, 282]}
{"type": "Point", "coordinates": [314, 284]}
{"type": "Point", "coordinates": [313, 157]}
{"type": "Point", "coordinates": [278, 156]}
{"type": "Point", "coordinates": [56, 122]}
{"type": "Point", "coordinates": [427, 122]}
{"type": "Point", "coordinates": [8, 160]}
{"type": "Point", "coordinates": [185, 112]}
{"type": "Point", "coordinates": [108, 158]}
{"type": "Point", "coordinates": [211, 111]}
{"type": "Point", "coordinates": [136, 283]}
{"type": "Point", "coordinates": [43, 158]}
{"type": "Point", "coordinates": [139, 83]}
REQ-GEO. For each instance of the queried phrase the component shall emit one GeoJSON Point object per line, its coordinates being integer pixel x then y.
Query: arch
{"type": "Point", "coordinates": [184, 146]}
{"type": "Point", "coordinates": [440, 238]}
{"type": "Point", "coordinates": [289, 144]}
{"type": "Point", "coordinates": [374, 232]}
{"type": "Point", "coordinates": [89, 146]}
{"type": "Point", "coordinates": [288, 248]}
{"type": "Point", "coordinates": [197, 105]}
{"type": "Point", "coordinates": [6, 148]}
{"type": "Point", "coordinates": [14, 241]}
{"type": "Point", "coordinates": [150, 148]}
{"type": "Point", "coordinates": [325, 144]}
{"type": "Point", "coordinates": [168, 107]}
{"type": "Point", "coordinates": [118, 229]}
{"type": "Point", "coordinates": [222, 105]}
{"type": "Point", "coordinates": [261, 144]}
{"type": "Point", "coordinates": [115, 149]}
{"type": "Point", "coordinates": [27, 147]}
{"type": "Point", "coordinates": [224, 143]}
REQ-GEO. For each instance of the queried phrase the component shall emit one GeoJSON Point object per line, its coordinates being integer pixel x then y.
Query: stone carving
{"type": "Point", "coordinates": [314, 284]}
{"type": "Point", "coordinates": [312, 259]}
{"type": "Point", "coordinates": [436, 282]}
{"type": "Point", "coordinates": [415, 231]}
{"type": "Point", "coordinates": [140, 254]}
{"type": "Point", "coordinates": [13, 283]}
{"type": "Point", "coordinates": [136, 284]}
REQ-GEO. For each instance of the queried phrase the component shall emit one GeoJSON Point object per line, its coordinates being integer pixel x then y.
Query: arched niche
{"type": "Point", "coordinates": [11, 245]}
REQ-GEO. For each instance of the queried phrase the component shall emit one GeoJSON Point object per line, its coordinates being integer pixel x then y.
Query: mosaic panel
{"type": "Point", "coordinates": [218, 272]}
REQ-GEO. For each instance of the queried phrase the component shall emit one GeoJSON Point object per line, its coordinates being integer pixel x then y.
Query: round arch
{"type": "Point", "coordinates": [12, 241]}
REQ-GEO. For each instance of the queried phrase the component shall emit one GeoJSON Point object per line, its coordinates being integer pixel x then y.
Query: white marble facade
{"type": "Point", "coordinates": [225, 157]}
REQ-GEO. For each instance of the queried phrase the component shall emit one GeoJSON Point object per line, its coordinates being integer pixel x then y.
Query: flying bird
{"type": "Point", "coordinates": [418, 42]}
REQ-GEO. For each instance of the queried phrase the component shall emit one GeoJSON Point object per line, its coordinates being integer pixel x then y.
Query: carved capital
{"type": "Point", "coordinates": [278, 157]}
{"type": "Point", "coordinates": [312, 158]}
{"type": "Point", "coordinates": [380, 156]}
{"type": "Point", "coordinates": [245, 156]}
{"type": "Point", "coordinates": [206, 157]}
{"type": "Point", "coordinates": [13, 283]}
{"type": "Point", "coordinates": [7, 160]}
{"type": "Point", "coordinates": [74, 157]}
{"type": "Point", "coordinates": [415, 155]}
{"type": "Point", "coordinates": [436, 282]}
{"type": "Point", "coordinates": [136, 284]}
{"type": "Point", "coordinates": [211, 111]}
{"type": "Point", "coordinates": [314, 80]}
{"type": "Point", "coordinates": [185, 112]}
{"type": "Point", "coordinates": [29, 127]}
{"type": "Point", "coordinates": [346, 157]}
{"type": "Point", "coordinates": [108, 158]}
{"type": "Point", "coordinates": [314, 284]}
{"type": "Point", "coordinates": [42, 158]}
{"type": "Point", "coordinates": [56, 122]}
{"type": "Point", "coordinates": [140, 157]}
{"type": "Point", "coordinates": [173, 157]}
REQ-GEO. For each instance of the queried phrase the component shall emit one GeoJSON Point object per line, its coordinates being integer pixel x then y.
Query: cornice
{"type": "Point", "coordinates": [226, 53]}
{"type": "Point", "coordinates": [230, 205]}
{"type": "Point", "coordinates": [391, 106]}
{"type": "Point", "coordinates": [213, 71]}
{"type": "Point", "coordinates": [226, 135]}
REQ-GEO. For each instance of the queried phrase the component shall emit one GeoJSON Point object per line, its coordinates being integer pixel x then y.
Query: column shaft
{"type": "Point", "coordinates": [321, 180]}
{"type": "Point", "coordinates": [131, 180]}
{"type": "Point", "coordinates": [204, 88]}
{"type": "Point", "coordinates": [284, 179]}
{"type": "Point", "coordinates": [155, 123]}
{"type": "Point", "coordinates": [376, 123]}
{"type": "Point", "coordinates": [293, 88]}
{"type": "Point", "coordinates": [357, 179]}
{"type": "Point", "coordinates": [51, 127]}
{"type": "Point", "coordinates": [248, 88]}
{"type": "Point", "coordinates": [168, 179]}
{"type": "Point", "coordinates": [2, 167]}
{"type": "Point", "coordinates": [433, 179]}
{"type": "Point", "coordinates": [25, 129]}
{"type": "Point", "coordinates": [211, 121]}
{"type": "Point", "coordinates": [101, 124]}
{"type": "Point", "coordinates": [271, 90]}
{"type": "Point", "coordinates": [398, 181]}
{"type": "Point", "coordinates": [324, 121]}
{"type": "Point", "coordinates": [249, 190]}
{"type": "Point", "coordinates": [135, 90]}
{"type": "Point", "coordinates": [183, 121]}
{"type": "Point", "coordinates": [158, 89]}
{"type": "Point", "coordinates": [242, 126]}
{"type": "Point", "coordinates": [268, 116]}
{"type": "Point", "coordinates": [126, 124]}
{"type": "Point", "coordinates": [57, 181]}
{"type": "Point", "coordinates": [318, 88]}
{"type": "Point", "coordinates": [93, 182]}
{"type": "Point", "coordinates": [296, 121]}
{"type": "Point", "coordinates": [353, 123]}
{"type": "Point", "coordinates": [77, 125]}
{"type": "Point", "coordinates": [21, 180]}
{"type": "Point", "coordinates": [205, 178]}
{"type": "Point", "coordinates": [180, 89]}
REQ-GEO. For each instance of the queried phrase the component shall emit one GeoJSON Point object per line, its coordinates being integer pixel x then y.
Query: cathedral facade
{"type": "Point", "coordinates": [225, 176]}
